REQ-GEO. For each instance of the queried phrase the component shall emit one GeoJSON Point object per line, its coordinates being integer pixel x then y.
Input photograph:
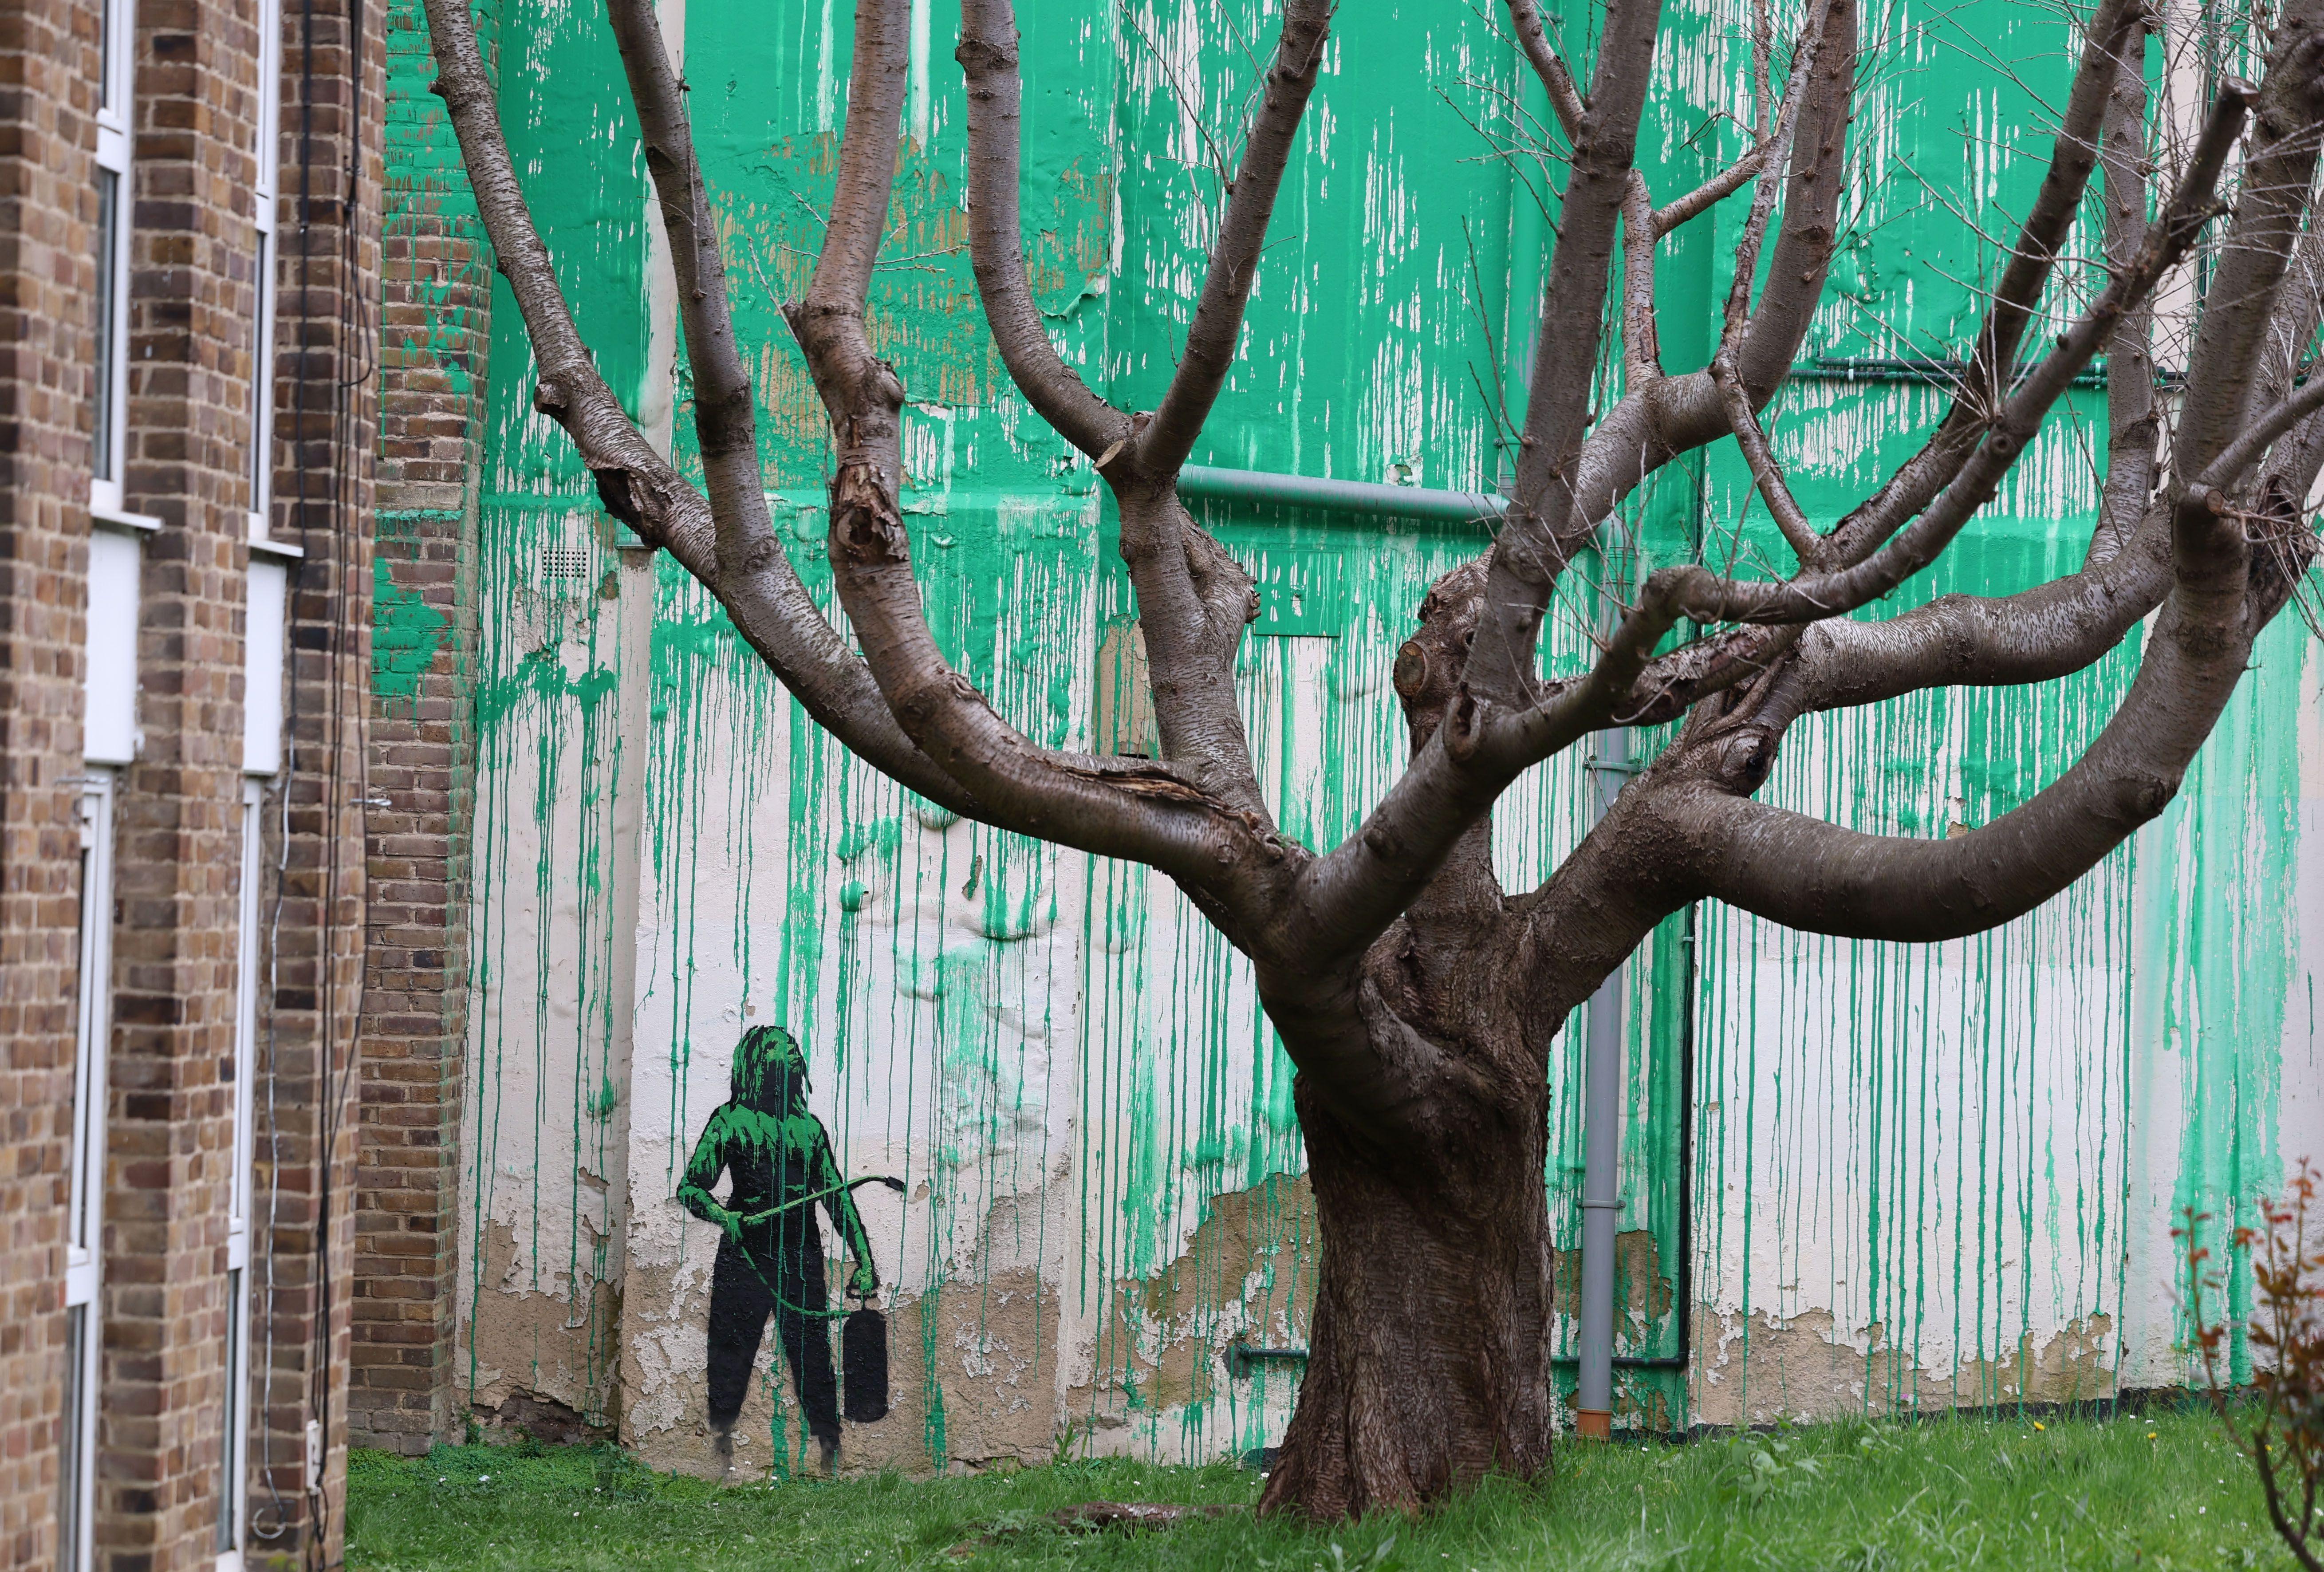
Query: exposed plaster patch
{"type": "Point", "coordinates": [1246, 1275]}
{"type": "Point", "coordinates": [1759, 1370]}
{"type": "Point", "coordinates": [542, 1344]}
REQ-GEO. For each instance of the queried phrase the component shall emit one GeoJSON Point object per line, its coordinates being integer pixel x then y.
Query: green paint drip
{"type": "Point", "coordinates": [407, 633]}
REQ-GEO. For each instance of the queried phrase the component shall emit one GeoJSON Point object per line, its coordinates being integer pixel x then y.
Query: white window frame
{"type": "Point", "coordinates": [85, 1223]}
{"type": "Point", "coordinates": [109, 428]}
{"type": "Point", "coordinates": [265, 195]}
{"type": "Point", "coordinates": [262, 662]}
{"type": "Point", "coordinates": [234, 1483]}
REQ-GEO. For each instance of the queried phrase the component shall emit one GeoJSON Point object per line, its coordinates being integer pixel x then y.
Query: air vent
{"type": "Point", "coordinates": [564, 563]}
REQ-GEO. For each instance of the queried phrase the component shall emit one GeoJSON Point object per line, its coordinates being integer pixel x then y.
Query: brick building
{"type": "Point", "coordinates": [188, 256]}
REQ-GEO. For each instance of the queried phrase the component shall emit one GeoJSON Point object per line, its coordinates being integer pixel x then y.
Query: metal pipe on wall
{"type": "Point", "coordinates": [1601, 1115]}
{"type": "Point", "coordinates": [1364, 498]}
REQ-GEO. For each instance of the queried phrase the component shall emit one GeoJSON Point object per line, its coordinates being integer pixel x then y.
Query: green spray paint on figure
{"type": "Point", "coordinates": [771, 1259]}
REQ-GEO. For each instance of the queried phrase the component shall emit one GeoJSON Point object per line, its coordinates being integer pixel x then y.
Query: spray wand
{"type": "Point", "coordinates": [792, 1204]}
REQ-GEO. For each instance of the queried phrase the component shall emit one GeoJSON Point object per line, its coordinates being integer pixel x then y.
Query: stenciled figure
{"type": "Point", "coordinates": [771, 1258]}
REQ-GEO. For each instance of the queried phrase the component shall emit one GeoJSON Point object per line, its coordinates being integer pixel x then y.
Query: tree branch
{"type": "Point", "coordinates": [1670, 684]}
{"type": "Point", "coordinates": [2299, 313]}
{"type": "Point", "coordinates": [1685, 210]}
{"type": "Point", "coordinates": [2036, 635]}
{"type": "Point", "coordinates": [1162, 446]}
{"type": "Point", "coordinates": [1474, 751]}
{"type": "Point", "coordinates": [1642, 354]}
{"type": "Point", "coordinates": [1149, 815]}
{"type": "Point", "coordinates": [2073, 156]}
{"type": "Point", "coordinates": [1766, 473]}
{"type": "Point", "coordinates": [2033, 259]}
{"type": "Point", "coordinates": [1808, 233]}
{"type": "Point", "coordinates": [1193, 603]}
{"type": "Point", "coordinates": [1708, 598]}
{"type": "Point", "coordinates": [1528, 554]}
{"type": "Point", "coordinates": [1345, 899]}
{"type": "Point", "coordinates": [1763, 199]}
{"type": "Point", "coordinates": [2225, 472]}
{"type": "Point", "coordinates": [724, 420]}
{"type": "Point", "coordinates": [2133, 431]}
{"type": "Point", "coordinates": [1533, 38]}
{"type": "Point", "coordinates": [1194, 600]}
{"type": "Point", "coordinates": [2278, 172]}
{"type": "Point", "coordinates": [1816, 876]}
{"type": "Point", "coordinates": [988, 54]}
{"type": "Point", "coordinates": [762, 594]}
{"type": "Point", "coordinates": [1558, 718]}
{"type": "Point", "coordinates": [1650, 427]}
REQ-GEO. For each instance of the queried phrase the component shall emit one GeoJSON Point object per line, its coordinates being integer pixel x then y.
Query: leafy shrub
{"type": "Point", "coordinates": [2282, 1430]}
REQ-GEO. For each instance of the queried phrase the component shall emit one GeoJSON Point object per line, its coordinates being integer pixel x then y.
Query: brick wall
{"type": "Point", "coordinates": [325, 423]}
{"type": "Point", "coordinates": [434, 334]}
{"type": "Point", "coordinates": [178, 825]}
{"type": "Point", "coordinates": [47, 276]}
{"type": "Point", "coordinates": [178, 828]}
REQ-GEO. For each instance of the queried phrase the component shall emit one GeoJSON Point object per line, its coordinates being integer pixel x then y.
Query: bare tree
{"type": "Point", "coordinates": [1417, 997]}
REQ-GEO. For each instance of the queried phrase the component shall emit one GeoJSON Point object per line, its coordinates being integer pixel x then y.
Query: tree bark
{"type": "Point", "coordinates": [1428, 1362]}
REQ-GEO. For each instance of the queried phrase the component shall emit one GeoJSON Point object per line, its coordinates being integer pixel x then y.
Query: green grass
{"type": "Point", "coordinates": [2162, 1493]}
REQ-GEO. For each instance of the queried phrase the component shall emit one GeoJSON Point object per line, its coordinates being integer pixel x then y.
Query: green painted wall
{"type": "Point", "coordinates": [1918, 1175]}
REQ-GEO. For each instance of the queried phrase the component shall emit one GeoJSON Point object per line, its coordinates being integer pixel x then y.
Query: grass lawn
{"type": "Point", "coordinates": [2160, 1492]}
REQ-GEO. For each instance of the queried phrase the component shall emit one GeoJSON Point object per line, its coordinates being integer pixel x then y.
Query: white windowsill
{"type": "Point", "coordinates": [263, 547]}
{"type": "Point", "coordinates": [111, 518]}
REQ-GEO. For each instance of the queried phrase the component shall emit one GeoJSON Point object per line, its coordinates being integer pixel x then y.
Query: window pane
{"type": "Point", "coordinates": [108, 220]}
{"type": "Point", "coordinates": [75, 1224]}
{"type": "Point", "coordinates": [75, 1435]}
{"type": "Point", "coordinates": [229, 1496]}
{"type": "Point", "coordinates": [261, 374]}
{"type": "Point", "coordinates": [86, 1049]}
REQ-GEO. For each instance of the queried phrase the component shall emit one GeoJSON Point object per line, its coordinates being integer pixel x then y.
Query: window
{"type": "Point", "coordinates": [263, 199]}
{"type": "Point", "coordinates": [107, 431]}
{"type": "Point", "coordinates": [261, 756]}
{"type": "Point", "coordinates": [233, 1462]}
{"type": "Point", "coordinates": [85, 1230]}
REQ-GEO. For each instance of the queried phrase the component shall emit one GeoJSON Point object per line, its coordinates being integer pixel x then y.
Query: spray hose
{"type": "Point", "coordinates": [830, 1314]}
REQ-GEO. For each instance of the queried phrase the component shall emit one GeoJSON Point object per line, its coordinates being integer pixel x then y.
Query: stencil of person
{"type": "Point", "coordinates": [771, 1256]}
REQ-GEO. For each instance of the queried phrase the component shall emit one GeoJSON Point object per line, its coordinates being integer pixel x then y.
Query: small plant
{"type": "Point", "coordinates": [2283, 1433]}
{"type": "Point", "coordinates": [1767, 1465]}
{"type": "Point", "coordinates": [1381, 1558]}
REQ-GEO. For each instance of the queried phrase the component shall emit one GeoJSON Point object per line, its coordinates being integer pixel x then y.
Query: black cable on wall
{"type": "Point", "coordinates": [339, 531]}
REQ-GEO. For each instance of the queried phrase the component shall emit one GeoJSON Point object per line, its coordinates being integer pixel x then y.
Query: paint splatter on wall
{"type": "Point", "coordinates": [1917, 1175]}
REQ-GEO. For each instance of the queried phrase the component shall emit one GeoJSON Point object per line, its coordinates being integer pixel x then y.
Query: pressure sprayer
{"type": "Point", "coordinates": [862, 1337]}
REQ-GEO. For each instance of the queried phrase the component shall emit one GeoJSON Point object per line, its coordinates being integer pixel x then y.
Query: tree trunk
{"type": "Point", "coordinates": [1429, 1352]}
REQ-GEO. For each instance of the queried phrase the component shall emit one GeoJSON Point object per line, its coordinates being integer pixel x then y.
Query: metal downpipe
{"type": "Point", "coordinates": [1601, 1207]}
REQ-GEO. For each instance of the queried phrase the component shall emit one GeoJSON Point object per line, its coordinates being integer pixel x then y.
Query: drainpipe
{"type": "Point", "coordinates": [1609, 770]}
{"type": "Point", "coordinates": [1601, 1115]}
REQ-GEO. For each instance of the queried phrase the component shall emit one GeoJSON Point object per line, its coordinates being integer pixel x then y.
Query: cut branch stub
{"type": "Point", "coordinates": [865, 527]}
